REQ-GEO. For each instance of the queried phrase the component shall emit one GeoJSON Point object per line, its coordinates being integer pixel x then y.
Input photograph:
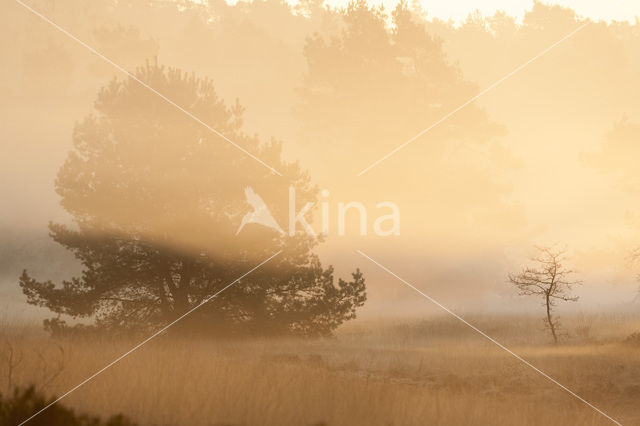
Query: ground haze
{"type": "Point", "coordinates": [434, 371]}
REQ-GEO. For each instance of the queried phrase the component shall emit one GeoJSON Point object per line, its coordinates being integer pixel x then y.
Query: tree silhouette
{"type": "Point", "coordinates": [156, 200]}
{"type": "Point", "coordinates": [369, 88]}
{"type": "Point", "coordinates": [550, 281]}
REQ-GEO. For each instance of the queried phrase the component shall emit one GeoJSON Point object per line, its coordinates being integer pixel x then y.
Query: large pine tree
{"type": "Point", "coordinates": [156, 199]}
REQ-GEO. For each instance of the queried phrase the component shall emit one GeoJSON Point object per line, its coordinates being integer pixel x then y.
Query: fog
{"type": "Point", "coordinates": [546, 157]}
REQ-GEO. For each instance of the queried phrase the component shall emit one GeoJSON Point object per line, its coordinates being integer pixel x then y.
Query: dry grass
{"type": "Point", "coordinates": [428, 372]}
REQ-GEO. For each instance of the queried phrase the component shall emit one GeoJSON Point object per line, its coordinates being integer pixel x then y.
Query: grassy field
{"type": "Point", "coordinates": [432, 371]}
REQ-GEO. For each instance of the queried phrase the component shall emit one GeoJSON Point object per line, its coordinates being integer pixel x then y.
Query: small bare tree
{"type": "Point", "coordinates": [549, 280]}
{"type": "Point", "coordinates": [12, 359]}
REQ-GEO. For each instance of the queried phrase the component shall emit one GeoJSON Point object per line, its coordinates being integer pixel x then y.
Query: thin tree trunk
{"type": "Point", "coordinates": [182, 292]}
{"type": "Point", "coordinates": [550, 322]}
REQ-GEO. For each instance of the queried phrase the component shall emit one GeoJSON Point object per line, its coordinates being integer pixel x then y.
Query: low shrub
{"type": "Point", "coordinates": [22, 403]}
